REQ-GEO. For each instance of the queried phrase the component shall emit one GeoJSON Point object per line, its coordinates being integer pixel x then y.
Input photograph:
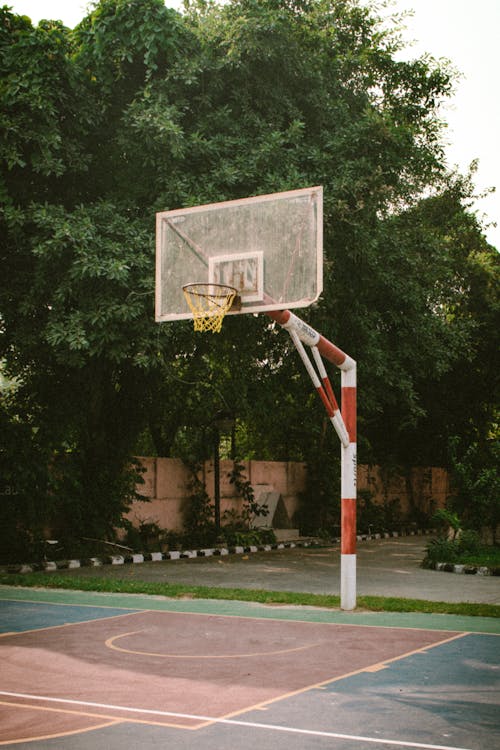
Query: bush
{"type": "Point", "coordinates": [251, 508]}
{"type": "Point", "coordinates": [467, 543]}
{"type": "Point", "coordinates": [26, 504]}
{"type": "Point", "coordinates": [199, 518]}
{"type": "Point", "coordinates": [248, 537]}
{"type": "Point", "coordinates": [148, 536]}
{"type": "Point", "coordinates": [476, 477]}
{"type": "Point", "coordinates": [319, 510]}
{"type": "Point", "coordinates": [374, 518]}
{"type": "Point", "coordinates": [447, 522]}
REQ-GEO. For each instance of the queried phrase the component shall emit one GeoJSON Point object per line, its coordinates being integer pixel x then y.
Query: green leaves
{"type": "Point", "coordinates": [142, 109]}
{"type": "Point", "coordinates": [92, 268]}
{"type": "Point", "coordinates": [129, 41]}
{"type": "Point", "coordinates": [40, 88]}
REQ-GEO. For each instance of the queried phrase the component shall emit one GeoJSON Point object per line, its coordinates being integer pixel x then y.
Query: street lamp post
{"type": "Point", "coordinates": [217, 479]}
{"type": "Point", "coordinates": [223, 422]}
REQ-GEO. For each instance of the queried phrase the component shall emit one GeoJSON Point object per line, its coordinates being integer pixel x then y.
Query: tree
{"type": "Point", "coordinates": [433, 323]}
{"type": "Point", "coordinates": [477, 484]}
{"type": "Point", "coordinates": [25, 504]}
{"type": "Point", "coordinates": [77, 311]}
{"type": "Point", "coordinates": [77, 338]}
{"type": "Point", "coordinates": [461, 396]}
{"type": "Point", "coordinates": [141, 109]}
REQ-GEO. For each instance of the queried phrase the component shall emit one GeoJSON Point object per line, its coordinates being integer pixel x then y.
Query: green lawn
{"type": "Point", "coordinates": [487, 559]}
{"type": "Point", "coordinates": [371, 603]}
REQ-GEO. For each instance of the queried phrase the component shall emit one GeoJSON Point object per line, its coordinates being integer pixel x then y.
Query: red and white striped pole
{"type": "Point", "coordinates": [348, 495]}
{"type": "Point", "coordinates": [345, 425]}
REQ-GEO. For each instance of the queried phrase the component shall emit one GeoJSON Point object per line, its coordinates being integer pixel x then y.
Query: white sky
{"type": "Point", "coordinates": [467, 33]}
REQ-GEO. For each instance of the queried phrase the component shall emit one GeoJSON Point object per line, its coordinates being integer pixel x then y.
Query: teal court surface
{"type": "Point", "coordinates": [85, 671]}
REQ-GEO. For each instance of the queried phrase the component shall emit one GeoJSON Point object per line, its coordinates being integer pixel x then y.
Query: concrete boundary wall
{"type": "Point", "coordinates": [166, 485]}
{"type": "Point", "coordinates": [423, 488]}
{"type": "Point", "coordinates": [167, 480]}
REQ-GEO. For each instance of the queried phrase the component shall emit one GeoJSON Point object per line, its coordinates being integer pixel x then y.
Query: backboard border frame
{"type": "Point", "coordinates": [254, 308]}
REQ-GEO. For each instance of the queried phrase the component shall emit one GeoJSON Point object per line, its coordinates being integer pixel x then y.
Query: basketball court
{"type": "Point", "coordinates": [89, 670]}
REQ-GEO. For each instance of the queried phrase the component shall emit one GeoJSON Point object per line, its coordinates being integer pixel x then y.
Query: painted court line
{"type": "Point", "coordinates": [111, 643]}
{"type": "Point", "coordinates": [235, 722]}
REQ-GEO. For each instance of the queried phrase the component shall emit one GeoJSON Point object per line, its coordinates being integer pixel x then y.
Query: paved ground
{"type": "Point", "coordinates": [89, 670]}
{"type": "Point", "coordinates": [386, 567]}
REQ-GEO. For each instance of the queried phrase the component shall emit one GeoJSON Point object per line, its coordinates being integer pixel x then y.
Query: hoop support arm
{"type": "Point", "coordinates": [302, 333]}
{"type": "Point", "coordinates": [308, 335]}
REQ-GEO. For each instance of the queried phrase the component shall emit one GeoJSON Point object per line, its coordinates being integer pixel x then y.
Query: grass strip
{"type": "Point", "coordinates": [177, 591]}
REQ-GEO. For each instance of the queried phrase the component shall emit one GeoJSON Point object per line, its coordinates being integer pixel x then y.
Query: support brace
{"type": "Point", "coordinates": [324, 391]}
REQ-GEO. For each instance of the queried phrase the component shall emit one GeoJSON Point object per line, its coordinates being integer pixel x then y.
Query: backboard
{"type": "Point", "coordinates": [269, 247]}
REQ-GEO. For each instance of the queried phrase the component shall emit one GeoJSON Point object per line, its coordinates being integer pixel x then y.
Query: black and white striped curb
{"type": "Point", "coordinates": [480, 570]}
{"type": "Point", "coordinates": [141, 557]}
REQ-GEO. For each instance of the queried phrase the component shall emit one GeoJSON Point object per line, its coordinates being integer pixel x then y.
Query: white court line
{"type": "Point", "coordinates": [235, 722]}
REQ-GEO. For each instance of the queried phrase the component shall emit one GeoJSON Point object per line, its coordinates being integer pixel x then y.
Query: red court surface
{"type": "Point", "coordinates": [144, 670]}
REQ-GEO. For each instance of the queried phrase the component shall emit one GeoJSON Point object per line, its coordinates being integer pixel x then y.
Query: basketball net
{"type": "Point", "coordinates": [209, 303]}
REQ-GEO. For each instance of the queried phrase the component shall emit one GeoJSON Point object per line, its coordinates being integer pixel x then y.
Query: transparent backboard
{"type": "Point", "coordinates": [269, 247]}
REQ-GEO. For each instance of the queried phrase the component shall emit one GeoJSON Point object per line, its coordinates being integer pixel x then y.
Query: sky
{"type": "Point", "coordinates": [467, 33]}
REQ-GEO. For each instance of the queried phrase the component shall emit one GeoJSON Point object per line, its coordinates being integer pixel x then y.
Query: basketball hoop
{"type": "Point", "coordinates": [209, 303]}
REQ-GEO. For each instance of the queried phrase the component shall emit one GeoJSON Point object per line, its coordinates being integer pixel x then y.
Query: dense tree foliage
{"type": "Point", "coordinates": [141, 109]}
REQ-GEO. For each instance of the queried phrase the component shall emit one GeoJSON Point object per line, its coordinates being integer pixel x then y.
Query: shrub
{"type": "Point", "coordinates": [375, 518]}
{"type": "Point", "coordinates": [251, 508]}
{"type": "Point", "coordinates": [148, 536]}
{"type": "Point", "coordinates": [319, 510]}
{"type": "Point", "coordinates": [446, 520]}
{"type": "Point", "coordinates": [248, 537]}
{"type": "Point", "coordinates": [476, 476]}
{"type": "Point", "coordinates": [453, 550]}
{"type": "Point", "coordinates": [199, 518]}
